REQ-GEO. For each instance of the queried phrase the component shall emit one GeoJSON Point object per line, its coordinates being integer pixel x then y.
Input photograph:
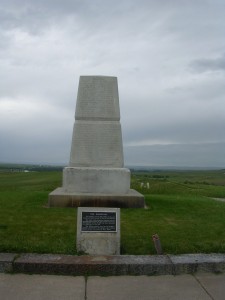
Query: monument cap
{"type": "Point", "coordinates": [98, 98]}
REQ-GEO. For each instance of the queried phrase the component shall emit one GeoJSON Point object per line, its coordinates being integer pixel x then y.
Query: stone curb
{"type": "Point", "coordinates": [111, 265]}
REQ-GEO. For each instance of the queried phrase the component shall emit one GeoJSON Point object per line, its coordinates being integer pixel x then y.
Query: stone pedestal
{"type": "Point", "coordinates": [96, 180]}
{"type": "Point", "coordinates": [96, 175]}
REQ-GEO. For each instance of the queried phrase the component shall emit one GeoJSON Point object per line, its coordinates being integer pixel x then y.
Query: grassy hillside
{"type": "Point", "coordinates": [180, 210]}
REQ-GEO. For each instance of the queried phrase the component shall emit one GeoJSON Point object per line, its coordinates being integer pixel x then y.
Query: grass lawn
{"type": "Point", "coordinates": [180, 211]}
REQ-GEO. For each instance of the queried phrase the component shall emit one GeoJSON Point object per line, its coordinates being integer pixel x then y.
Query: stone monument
{"type": "Point", "coordinates": [96, 176]}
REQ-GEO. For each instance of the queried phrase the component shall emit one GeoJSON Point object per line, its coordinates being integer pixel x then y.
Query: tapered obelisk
{"type": "Point", "coordinates": [96, 175]}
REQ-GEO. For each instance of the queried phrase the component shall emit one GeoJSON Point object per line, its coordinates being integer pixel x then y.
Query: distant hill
{"type": "Point", "coordinates": [184, 156]}
{"type": "Point", "coordinates": [11, 167]}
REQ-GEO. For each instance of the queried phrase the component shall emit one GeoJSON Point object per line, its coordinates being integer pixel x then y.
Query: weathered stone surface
{"type": "Point", "coordinates": [96, 144]}
{"type": "Point", "coordinates": [114, 265]}
{"type": "Point", "coordinates": [192, 263]}
{"type": "Point", "coordinates": [96, 180]}
{"type": "Point", "coordinates": [60, 198]}
{"type": "Point", "coordinates": [98, 98]}
{"type": "Point", "coordinates": [97, 138]}
{"type": "Point", "coordinates": [6, 261]}
{"type": "Point", "coordinates": [93, 265]}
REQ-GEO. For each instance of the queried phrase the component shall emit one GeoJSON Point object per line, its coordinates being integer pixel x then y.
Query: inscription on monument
{"type": "Point", "coordinates": [106, 138]}
{"type": "Point", "coordinates": [99, 221]}
{"type": "Point", "coordinates": [97, 100]}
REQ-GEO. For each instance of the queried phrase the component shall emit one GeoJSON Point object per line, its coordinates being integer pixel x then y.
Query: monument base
{"type": "Point", "coordinates": [96, 180]}
{"type": "Point", "coordinates": [60, 198]}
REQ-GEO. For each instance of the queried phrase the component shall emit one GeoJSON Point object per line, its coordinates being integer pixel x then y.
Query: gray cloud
{"type": "Point", "coordinates": [187, 155]}
{"type": "Point", "coordinates": [168, 57]}
{"type": "Point", "coordinates": [213, 64]}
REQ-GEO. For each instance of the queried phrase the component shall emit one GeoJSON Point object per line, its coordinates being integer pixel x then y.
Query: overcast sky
{"type": "Point", "coordinates": [169, 57]}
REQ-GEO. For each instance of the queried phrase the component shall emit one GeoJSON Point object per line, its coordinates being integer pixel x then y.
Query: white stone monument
{"type": "Point", "coordinates": [96, 176]}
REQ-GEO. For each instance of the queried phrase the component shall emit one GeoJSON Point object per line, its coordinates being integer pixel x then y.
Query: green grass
{"type": "Point", "coordinates": [26, 225]}
{"type": "Point", "coordinates": [180, 211]}
{"type": "Point", "coordinates": [184, 225]}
